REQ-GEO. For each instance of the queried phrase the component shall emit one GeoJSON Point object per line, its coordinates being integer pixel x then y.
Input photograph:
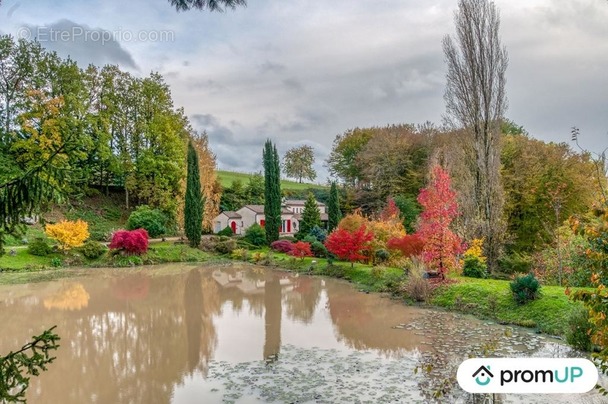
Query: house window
{"type": "Point", "coordinates": [286, 226]}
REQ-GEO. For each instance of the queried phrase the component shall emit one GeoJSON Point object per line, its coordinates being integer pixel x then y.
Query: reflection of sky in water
{"type": "Point", "coordinates": [173, 334]}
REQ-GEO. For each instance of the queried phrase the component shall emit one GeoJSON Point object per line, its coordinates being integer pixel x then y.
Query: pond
{"type": "Point", "coordinates": [185, 333]}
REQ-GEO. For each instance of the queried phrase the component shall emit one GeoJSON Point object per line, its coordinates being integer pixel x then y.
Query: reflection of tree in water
{"type": "Point", "coordinates": [301, 302]}
{"type": "Point", "coordinates": [262, 291]}
{"type": "Point", "coordinates": [201, 301]}
{"type": "Point", "coordinates": [124, 346]}
{"type": "Point", "coordinates": [131, 287]}
{"type": "Point", "coordinates": [366, 321]}
{"type": "Point", "coordinates": [272, 316]}
{"type": "Point", "coordinates": [71, 296]}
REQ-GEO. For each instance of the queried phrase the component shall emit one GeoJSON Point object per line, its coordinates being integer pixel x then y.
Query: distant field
{"type": "Point", "coordinates": [226, 178]}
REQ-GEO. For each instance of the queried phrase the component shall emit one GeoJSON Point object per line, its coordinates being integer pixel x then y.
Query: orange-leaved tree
{"type": "Point", "coordinates": [350, 245]}
{"type": "Point", "coordinates": [440, 208]}
{"type": "Point", "coordinates": [69, 234]}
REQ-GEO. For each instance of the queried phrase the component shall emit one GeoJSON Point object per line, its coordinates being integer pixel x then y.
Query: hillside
{"type": "Point", "coordinates": [226, 178]}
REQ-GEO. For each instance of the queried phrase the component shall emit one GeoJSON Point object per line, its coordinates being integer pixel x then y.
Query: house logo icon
{"type": "Point", "coordinates": [483, 376]}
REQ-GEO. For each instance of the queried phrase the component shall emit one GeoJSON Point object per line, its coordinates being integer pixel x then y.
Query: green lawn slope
{"type": "Point", "coordinates": [227, 177]}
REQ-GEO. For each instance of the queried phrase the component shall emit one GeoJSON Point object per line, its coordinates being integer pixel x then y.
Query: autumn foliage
{"type": "Point", "coordinates": [69, 234]}
{"type": "Point", "coordinates": [409, 245]}
{"type": "Point", "coordinates": [350, 245]}
{"type": "Point", "coordinates": [300, 250]}
{"type": "Point", "coordinates": [283, 246]}
{"type": "Point", "coordinates": [440, 208]}
{"type": "Point", "coordinates": [134, 242]}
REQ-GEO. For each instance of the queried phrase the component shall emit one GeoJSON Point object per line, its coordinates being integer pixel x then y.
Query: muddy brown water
{"type": "Point", "coordinates": [184, 333]}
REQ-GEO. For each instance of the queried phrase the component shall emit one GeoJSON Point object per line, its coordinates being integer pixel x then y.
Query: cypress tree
{"type": "Point", "coordinates": [193, 211]}
{"type": "Point", "coordinates": [311, 216]}
{"type": "Point", "coordinates": [333, 209]}
{"type": "Point", "coordinates": [272, 191]}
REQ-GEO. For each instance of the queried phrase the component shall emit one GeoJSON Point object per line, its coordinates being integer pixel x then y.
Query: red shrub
{"type": "Point", "coordinates": [283, 246]}
{"type": "Point", "coordinates": [134, 242]}
{"type": "Point", "coordinates": [300, 249]}
{"type": "Point", "coordinates": [409, 245]}
{"type": "Point", "coordinates": [348, 245]}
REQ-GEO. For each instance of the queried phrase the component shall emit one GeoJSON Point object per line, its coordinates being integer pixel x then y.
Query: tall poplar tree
{"type": "Point", "coordinates": [333, 209]}
{"type": "Point", "coordinates": [193, 211]}
{"type": "Point", "coordinates": [476, 101]}
{"type": "Point", "coordinates": [272, 191]}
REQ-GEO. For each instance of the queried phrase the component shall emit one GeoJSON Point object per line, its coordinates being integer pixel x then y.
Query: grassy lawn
{"type": "Point", "coordinates": [227, 177]}
{"type": "Point", "coordinates": [23, 260]}
{"type": "Point", "coordinates": [492, 299]}
{"type": "Point", "coordinates": [31, 232]}
{"type": "Point", "coordinates": [161, 252]}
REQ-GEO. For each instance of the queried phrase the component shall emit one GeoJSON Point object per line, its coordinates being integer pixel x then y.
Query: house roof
{"type": "Point", "coordinates": [232, 215]}
{"type": "Point", "coordinates": [324, 217]}
{"type": "Point", "coordinates": [255, 208]}
{"type": "Point", "coordinates": [299, 202]}
{"type": "Point", "coordinates": [259, 209]}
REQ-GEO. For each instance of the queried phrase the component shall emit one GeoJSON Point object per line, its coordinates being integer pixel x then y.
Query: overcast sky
{"type": "Point", "coordinates": [303, 71]}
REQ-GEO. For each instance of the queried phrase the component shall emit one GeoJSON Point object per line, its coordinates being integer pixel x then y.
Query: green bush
{"type": "Point", "coordinates": [93, 249]}
{"type": "Point", "coordinates": [56, 262]}
{"type": "Point", "coordinates": [308, 239]}
{"type": "Point", "coordinates": [525, 288]}
{"type": "Point", "coordinates": [577, 334]}
{"type": "Point", "coordinates": [474, 268]}
{"type": "Point", "coordinates": [255, 235]}
{"type": "Point", "coordinates": [318, 249]}
{"type": "Point", "coordinates": [39, 247]}
{"type": "Point", "coordinates": [99, 235]}
{"type": "Point", "coordinates": [515, 263]}
{"type": "Point", "coordinates": [288, 238]}
{"type": "Point", "coordinates": [382, 255]}
{"type": "Point", "coordinates": [227, 231]}
{"type": "Point", "coordinates": [225, 247]}
{"type": "Point", "coordinates": [153, 220]}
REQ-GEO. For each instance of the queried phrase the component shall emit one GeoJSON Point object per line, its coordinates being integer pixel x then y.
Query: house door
{"type": "Point", "coordinates": [233, 227]}
{"type": "Point", "coordinates": [289, 226]}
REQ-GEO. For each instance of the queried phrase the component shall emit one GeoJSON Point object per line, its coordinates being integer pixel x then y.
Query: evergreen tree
{"type": "Point", "coordinates": [193, 211]}
{"type": "Point", "coordinates": [333, 209]}
{"type": "Point", "coordinates": [272, 191]}
{"type": "Point", "coordinates": [311, 216]}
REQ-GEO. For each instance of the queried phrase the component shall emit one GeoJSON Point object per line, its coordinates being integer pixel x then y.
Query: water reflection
{"type": "Point", "coordinates": [71, 296]}
{"type": "Point", "coordinates": [151, 335]}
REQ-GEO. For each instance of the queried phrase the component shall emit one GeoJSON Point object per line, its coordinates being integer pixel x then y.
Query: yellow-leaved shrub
{"type": "Point", "coordinates": [69, 234]}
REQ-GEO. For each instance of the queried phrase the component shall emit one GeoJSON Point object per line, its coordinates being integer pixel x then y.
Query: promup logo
{"type": "Point", "coordinates": [527, 375]}
{"type": "Point", "coordinates": [484, 373]}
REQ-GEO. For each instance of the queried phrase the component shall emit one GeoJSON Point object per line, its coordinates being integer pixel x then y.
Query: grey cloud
{"type": "Point", "coordinates": [228, 147]}
{"type": "Point", "coordinates": [209, 85]}
{"type": "Point", "coordinates": [293, 85]}
{"type": "Point", "coordinates": [82, 43]}
{"type": "Point", "coordinates": [271, 67]}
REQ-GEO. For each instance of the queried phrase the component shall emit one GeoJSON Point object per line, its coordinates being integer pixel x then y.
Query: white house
{"type": "Point", "coordinates": [291, 214]}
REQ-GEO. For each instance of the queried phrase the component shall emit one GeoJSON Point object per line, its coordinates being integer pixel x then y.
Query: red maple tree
{"type": "Point", "coordinates": [440, 208]}
{"type": "Point", "coordinates": [409, 245]}
{"type": "Point", "coordinates": [134, 242]}
{"type": "Point", "coordinates": [300, 250]}
{"type": "Point", "coordinates": [348, 245]}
